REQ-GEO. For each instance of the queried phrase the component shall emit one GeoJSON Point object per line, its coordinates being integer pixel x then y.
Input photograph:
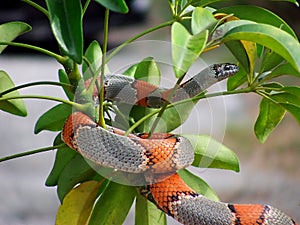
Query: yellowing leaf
{"type": "Point", "coordinates": [250, 48]}
{"type": "Point", "coordinates": [78, 204]}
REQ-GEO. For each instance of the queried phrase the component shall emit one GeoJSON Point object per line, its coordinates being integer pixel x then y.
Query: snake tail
{"type": "Point", "coordinates": [175, 198]}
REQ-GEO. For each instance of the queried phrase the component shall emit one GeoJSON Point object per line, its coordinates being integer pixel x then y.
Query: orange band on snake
{"type": "Point", "coordinates": [162, 153]}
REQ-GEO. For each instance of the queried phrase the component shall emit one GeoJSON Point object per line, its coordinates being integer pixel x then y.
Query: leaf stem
{"type": "Point", "coordinates": [59, 58]}
{"type": "Point", "coordinates": [201, 96]}
{"type": "Point", "coordinates": [197, 97]}
{"type": "Point", "coordinates": [32, 152]}
{"type": "Point", "coordinates": [73, 104]}
{"type": "Point", "coordinates": [86, 4]}
{"type": "Point", "coordinates": [37, 6]}
{"type": "Point", "coordinates": [130, 40]}
{"type": "Point", "coordinates": [265, 95]}
{"type": "Point", "coordinates": [35, 84]}
{"type": "Point", "coordinates": [140, 121]}
{"type": "Point", "coordinates": [101, 120]}
{"type": "Point", "coordinates": [119, 114]}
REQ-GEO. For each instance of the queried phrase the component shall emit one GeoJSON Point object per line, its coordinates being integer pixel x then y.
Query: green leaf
{"type": "Point", "coordinates": [226, 27]}
{"type": "Point", "coordinates": [209, 153]}
{"type": "Point", "coordinates": [248, 12]}
{"type": "Point", "coordinates": [147, 213]}
{"type": "Point", "coordinates": [53, 119]}
{"type": "Point", "coordinates": [294, 90]}
{"type": "Point", "coordinates": [290, 95]}
{"type": "Point", "coordinates": [115, 5]}
{"type": "Point", "coordinates": [237, 80]}
{"type": "Point", "coordinates": [282, 69]}
{"type": "Point", "coordinates": [14, 106]}
{"type": "Point", "coordinates": [271, 86]}
{"type": "Point", "coordinates": [290, 100]}
{"type": "Point", "coordinates": [63, 156]}
{"type": "Point", "coordinates": [270, 60]}
{"type": "Point", "coordinates": [113, 205]}
{"type": "Point", "coordinates": [244, 51]}
{"type": "Point", "coordinates": [202, 19]}
{"type": "Point", "coordinates": [63, 78]}
{"type": "Point", "coordinates": [148, 70]}
{"type": "Point", "coordinates": [173, 117]}
{"type": "Point", "coordinates": [66, 23]}
{"type": "Point", "coordinates": [94, 56]}
{"type": "Point", "coordinates": [270, 115]}
{"type": "Point", "coordinates": [205, 2]}
{"type": "Point", "coordinates": [9, 31]}
{"type": "Point", "coordinates": [294, 110]}
{"type": "Point", "coordinates": [274, 38]}
{"type": "Point", "coordinates": [186, 48]}
{"type": "Point", "coordinates": [78, 204]}
{"type": "Point", "coordinates": [76, 171]}
{"type": "Point", "coordinates": [131, 70]}
{"type": "Point", "coordinates": [197, 184]}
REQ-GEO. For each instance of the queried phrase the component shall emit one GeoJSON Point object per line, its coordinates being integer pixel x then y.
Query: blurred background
{"type": "Point", "coordinates": [269, 172]}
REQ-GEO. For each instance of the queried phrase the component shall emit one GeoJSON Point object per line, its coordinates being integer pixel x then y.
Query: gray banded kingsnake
{"type": "Point", "coordinates": [162, 153]}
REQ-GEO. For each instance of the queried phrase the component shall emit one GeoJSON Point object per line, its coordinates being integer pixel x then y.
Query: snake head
{"type": "Point", "coordinates": [224, 70]}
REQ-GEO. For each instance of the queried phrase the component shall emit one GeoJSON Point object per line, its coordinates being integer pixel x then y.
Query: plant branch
{"type": "Point", "coordinates": [87, 3]}
{"type": "Point", "coordinates": [32, 152]}
{"type": "Point", "coordinates": [198, 97]}
{"type": "Point", "coordinates": [140, 121]}
{"type": "Point", "coordinates": [266, 95]}
{"type": "Point", "coordinates": [59, 58]}
{"type": "Point", "coordinates": [130, 40]}
{"type": "Point", "coordinates": [35, 84]}
{"type": "Point", "coordinates": [201, 96]}
{"type": "Point", "coordinates": [101, 120]}
{"type": "Point", "coordinates": [37, 6]}
{"type": "Point", "coordinates": [119, 114]}
{"type": "Point", "coordinates": [73, 104]}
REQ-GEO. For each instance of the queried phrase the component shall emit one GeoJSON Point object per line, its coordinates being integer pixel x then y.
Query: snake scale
{"type": "Point", "coordinates": [162, 154]}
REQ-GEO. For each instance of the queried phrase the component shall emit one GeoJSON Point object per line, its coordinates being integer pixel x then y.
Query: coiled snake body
{"type": "Point", "coordinates": [162, 154]}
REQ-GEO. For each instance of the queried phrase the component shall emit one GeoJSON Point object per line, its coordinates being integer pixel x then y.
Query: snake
{"type": "Point", "coordinates": [160, 155]}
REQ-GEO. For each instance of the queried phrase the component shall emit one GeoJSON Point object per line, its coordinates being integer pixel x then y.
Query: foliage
{"type": "Point", "coordinates": [265, 48]}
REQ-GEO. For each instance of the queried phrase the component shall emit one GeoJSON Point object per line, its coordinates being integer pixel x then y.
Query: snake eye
{"type": "Point", "coordinates": [229, 67]}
